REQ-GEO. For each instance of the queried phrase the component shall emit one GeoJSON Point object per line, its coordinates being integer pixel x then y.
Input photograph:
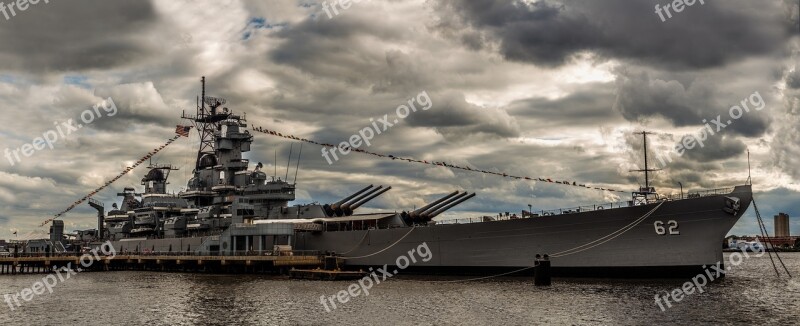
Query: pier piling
{"type": "Point", "coordinates": [541, 271]}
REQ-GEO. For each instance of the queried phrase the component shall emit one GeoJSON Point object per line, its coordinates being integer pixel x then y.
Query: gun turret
{"type": "Point", "coordinates": [335, 208]}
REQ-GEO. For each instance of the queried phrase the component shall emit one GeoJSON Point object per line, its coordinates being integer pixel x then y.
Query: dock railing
{"type": "Point", "coordinates": [240, 253]}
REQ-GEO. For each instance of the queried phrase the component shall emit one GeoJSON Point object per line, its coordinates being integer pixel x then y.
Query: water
{"type": "Point", "coordinates": [751, 294]}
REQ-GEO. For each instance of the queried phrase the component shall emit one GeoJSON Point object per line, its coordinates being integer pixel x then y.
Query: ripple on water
{"type": "Point", "coordinates": [751, 294]}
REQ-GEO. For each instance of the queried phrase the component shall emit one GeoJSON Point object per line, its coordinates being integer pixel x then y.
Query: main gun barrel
{"type": "Point", "coordinates": [349, 210]}
{"type": "Point", "coordinates": [419, 211]}
{"type": "Point", "coordinates": [423, 214]}
{"type": "Point", "coordinates": [450, 205]}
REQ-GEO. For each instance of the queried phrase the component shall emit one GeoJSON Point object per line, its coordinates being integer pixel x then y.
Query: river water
{"type": "Point", "coordinates": [750, 294]}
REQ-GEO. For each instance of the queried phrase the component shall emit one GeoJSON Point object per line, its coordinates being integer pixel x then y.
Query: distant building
{"type": "Point", "coordinates": [37, 246]}
{"type": "Point", "coordinates": [782, 225]}
{"type": "Point", "coordinates": [744, 243]}
{"type": "Point", "coordinates": [57, 231]}
{"type": "Point", "coordinates": [778, 242]}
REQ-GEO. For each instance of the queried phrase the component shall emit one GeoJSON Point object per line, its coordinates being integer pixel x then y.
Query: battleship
{"type": "Point", "coordinates": [227, 208]}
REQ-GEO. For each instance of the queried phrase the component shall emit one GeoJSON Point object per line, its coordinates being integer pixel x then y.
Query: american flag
{"type": "Point", "coordinates": [183, 130]}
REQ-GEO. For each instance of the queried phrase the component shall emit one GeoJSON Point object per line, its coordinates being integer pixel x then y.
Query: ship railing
{"type": "Point", "coordinates": [238, 253]}
{"type": "Point", "coordinates": [551, 212]}
{"type": "Point", "coordinates": [585, 208]}
{"type": "Point", "coordinates": [698, 194]}
{"type": "Point", "coordinates": [581, 209]}
{"type": "Point", "coordinates": [622, 204]}
{"type": "Point", "coordinates": [194, 234]}
{"type": "Point", "coordinates": [534, 214]}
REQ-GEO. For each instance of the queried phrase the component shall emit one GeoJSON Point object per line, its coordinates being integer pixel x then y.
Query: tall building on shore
{"type": "Point", "coordinates": [782, 225]}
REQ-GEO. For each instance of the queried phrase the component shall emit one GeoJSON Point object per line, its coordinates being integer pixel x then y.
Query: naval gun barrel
{"type": "Point", "coordinates": [335, 209]}
{"type": "Point", "coordinates": [346, 210]}
{"type": "Point", "coordinates": [427, 212]}
{"type": "Point", "coordinates": [349, 210]}
{"type": "Point", "coordinates": [449, 206]}
{"type": "Point", "coordinates": [339, 203]}
{"type": "Point", "coordinates": [435, 202]}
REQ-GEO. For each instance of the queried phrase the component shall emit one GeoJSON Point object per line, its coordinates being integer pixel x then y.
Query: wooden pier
{"type": "Point", "coordinates": [255, 263]}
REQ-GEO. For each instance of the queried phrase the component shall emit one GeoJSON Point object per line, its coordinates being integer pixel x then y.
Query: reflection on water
{"type": "Point", "coordinates": [750, 294]}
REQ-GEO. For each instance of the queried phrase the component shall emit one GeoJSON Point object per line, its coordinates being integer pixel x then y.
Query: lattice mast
{"type": "Point", "coordinates": [206, 121]}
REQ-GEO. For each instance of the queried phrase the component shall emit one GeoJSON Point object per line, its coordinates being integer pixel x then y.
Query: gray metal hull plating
{"type": "Point", "coordinates": [701, 223]}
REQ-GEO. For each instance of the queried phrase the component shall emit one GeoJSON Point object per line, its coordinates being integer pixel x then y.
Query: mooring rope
{"type": "Point", "coordinates": [765, 234]}
{"type": "Point", "coordinates": [384, 249]}
{"type": "Point", "coordinates": [612, 235]}
{"type": "Point", "coordinates": [357, 244]}
{"type": "Point", "coordinates": [761, 229]}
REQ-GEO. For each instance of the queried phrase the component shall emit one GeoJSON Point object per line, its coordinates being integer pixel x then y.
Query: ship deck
{"type": "Point", "coordinates": [586, 208]}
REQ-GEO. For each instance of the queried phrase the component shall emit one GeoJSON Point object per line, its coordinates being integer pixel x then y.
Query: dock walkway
{"type": "Point", "coordinates": [264, 262]}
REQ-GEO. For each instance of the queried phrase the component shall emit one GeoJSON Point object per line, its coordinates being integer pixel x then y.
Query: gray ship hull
{"type": "Point", "coordinates": [696, 240]}
{"type": "Point", "coordinates": [619, 242]}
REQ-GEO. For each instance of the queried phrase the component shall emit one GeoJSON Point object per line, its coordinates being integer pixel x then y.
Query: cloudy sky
{"type": "Point", "coordinates": [552, 89]}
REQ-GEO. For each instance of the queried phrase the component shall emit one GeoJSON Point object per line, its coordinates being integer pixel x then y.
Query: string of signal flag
{"type": "Point", "coordinates": [434, 163]}
{"type": "Point", "coordinates": [180, 131]}
{"type": "Point", "coordinates": [183, 131]}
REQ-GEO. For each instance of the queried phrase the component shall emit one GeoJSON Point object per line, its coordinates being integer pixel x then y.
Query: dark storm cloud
{"type": "Point", "coordinates": [793, 79]}
{"type": "Point", "coordinates": [719, 147]}
{"type": "Point", "coordinates": [456, 119]}
{"type": "Point", "coordinates": [695, 170]}
{"type": "Point", "coordinates": [137, 104]}
{"type": "Point", "coordinates": [785, 146]}
{"type": "Point", "coordinates": [550, 32]}
{"type": "Point", "coordinates": [76, 35]}
{"type": "Point", "coordinates": [591, 104]}
{"type": "Point", "coordinates": [561, 162]}
{"type": "Point", "coordinates": [639, 96]}
{"type": "Point", "coordinates": [685, 103]}
{"type": "Point", "coordinates": [779, 200]}
{"type": "Point", "coordinates": [332, 47]}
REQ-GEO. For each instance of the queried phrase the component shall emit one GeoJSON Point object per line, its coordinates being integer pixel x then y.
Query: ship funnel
{"type": "Point", "coordinates": [335, 208]}
{"type": "Point", "coordinates": [449, 206]}
{"type": "Point", "coordinates": [416, 213]}
{"type": "Point", "coordinates": [423, 214]}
